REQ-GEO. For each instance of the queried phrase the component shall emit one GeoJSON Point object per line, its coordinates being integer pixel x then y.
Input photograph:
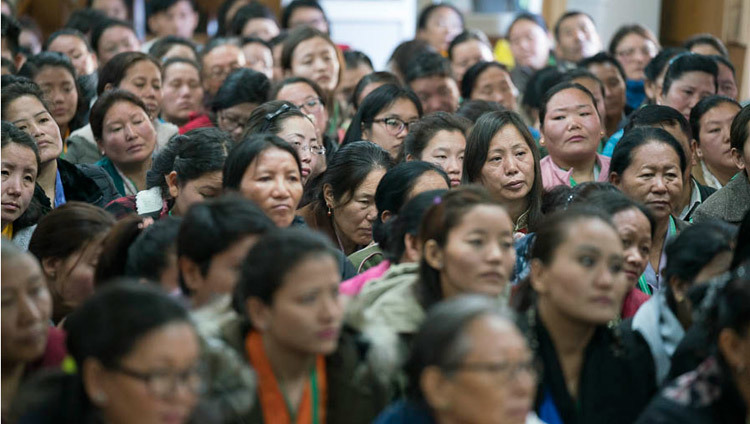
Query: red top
{"type": "Point", "coordinates": [197, 120]}
{"type": "Point", "coordinates": [633, 300]}
{"type": "Point", "coordinates": [54, 352]}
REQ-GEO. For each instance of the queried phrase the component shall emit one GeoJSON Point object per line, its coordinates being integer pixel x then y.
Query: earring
{"type": "Point", "coordinates": [100, 398]}
{"type": "Point", "coordinates": [541, 141]}
{"type": "Point", "coordinates": [601, 133]}
{"type": "Point", "coordinates": [330, 212]}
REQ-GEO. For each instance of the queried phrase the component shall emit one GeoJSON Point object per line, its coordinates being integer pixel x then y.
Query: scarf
{"type": "Point", "coordinates": [273, 402]}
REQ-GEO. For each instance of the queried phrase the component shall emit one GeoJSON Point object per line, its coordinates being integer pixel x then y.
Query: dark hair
{"type": "Point", "coordinates": [221, 17]}
{"type": "Point", "coordinates": [269, 117]}
{"type": "Point", "coordinates": [148, 255]}
{"type": "Point", "coordinates": [404, 52]}
{"type": "Point", "coordinates": [703, 106]}
{"type": "Point", "coordinates": [111, 264]}
{"type": "Point", "coordinates": [105, 101]}
{"type": "Point", "coordinates": [244, 153]}
{"type": "Point", "coordinates": [539, 83]}
{"type": "Point", "coordinates": [427, 64]}
{"type": "Point", "coordinates": [11, 134]}
{"type": "Point", "coordinates": [440, 219]}
{"type": "Point", "coordinates": [354, 58]}
{"type": "Point", "coordinates": [248, 12]}
{"type": "Point", "coordinates": [659, 63]}
{"type": "Point", "coordinates": [380, 99]}
{"type": "Point", "coordinates": [67, 31]}
{"type": "Point", "coordinates": [579, 73]}
{"type": "Point", "coordinates": [558, 88]}
{"type": "Point", "coordinates": [603, 58]}
{"type": "Point", "coordinates": [613, 202]}
{"type": "Point", "coordinates": [478, 146]}
{"type": "Point", "coordinates": [158, 6]}
{"type": "Point", "coordinates": [350, 166]}
{"type": "Point", "coordinates": [425, 14]}
{"type": "Point", "coordinates": [726, 62]}
{"type": "Point", "coordinates": [108, 326]}
{"type": "Point", "coordinates": [628, 29]}
{"type": "Point", "coordinates": [243, 85]}
{"type": "Point", "coordinates": [689, 62]}
{"type": "Point", "coordinates": [474, 72]}
{"type": "Point", "coordinates": [85, 20]}
{"type": "Point", "coordinates": [276, 88]}
{"type": "Point", "coordinates": [394, 188]}
{"type": "Point", "coordinates": [465, 36]}
{"type": "Point", "coordinates": [20, 88]}
{"type": "Point", "coordinates": [11, 31]}
{"type": "Point", "coordinates": [443, 341]}
{"type": "Point", "coordinates": [706, 38]}
{"type": "Point", "coordinates": [742, 246]}
{"type": "Point", "coordinates": [190, 155]}
{"type": "Point", "coordinates": [372, 78]}
{"type": "Point", "coordinates": [8, 64]}
{"type": "Point", "coordinates": [256, 40]}
{"type": "Point", "coordinates": [286, 15]}
{"type": "Point", "coordinates": [694, 247]}
{"type": "Point", "coordinates": [164, 44]}
{"type": "Point", "coordinates": [566, 15]}
{"type": "Point", "coordinates": [554, 229]}
{"type": "Point", "coordinates": [527, 16]}
{"type": "Point", "coordinates": [296, 37]}
{"type": "Point", "coordinates": [98, 31]}
{"type": "Point", "coordinates": [738, 133]}
{"type": "Point", "coordinates": [657, 115]}
{"type": "Point", "coordinates": [213, 226]}
{"type": "Point", "coordinates": [272, 258]}
{"type": "Point", "coordinates": [473, 109]}
{"type": "Point", "coordinates": [406, 222]}
{"type": "Point", "coordinates": [426, 128]}
{"type": "Point", "coordinates": [115, 70]}
{"type": "Point", "coordinates": [622, 156]}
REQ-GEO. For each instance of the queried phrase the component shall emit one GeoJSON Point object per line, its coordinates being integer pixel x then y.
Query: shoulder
{"type": "Point", "coordinates": [729, 203]}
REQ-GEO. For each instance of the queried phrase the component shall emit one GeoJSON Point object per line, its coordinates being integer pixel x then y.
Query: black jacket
{"type": "Point", "coordinates": [86, 183]}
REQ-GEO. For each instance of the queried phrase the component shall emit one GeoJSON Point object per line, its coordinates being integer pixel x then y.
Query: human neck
{"type": "Point", "coordinates": [723, 175]}
{"type": "Point", "coordinates": [516, 208]}
{"type": "Point", "coordinates": [686, 195]}
{"type": "Point", "coordinates": [136, 172]}
{"type": "Point", "coordinates": [11, 379]}
{"type": "Point", "coordinates": [288, 366]}
{"type": "Point", "coordinates": [658, 243]}
{"type": "Point", "coordinates": [46, 179]}
{"type": "Point", "coordinates": [63, 130]}
{"type": "Point", "coordinates": [611, 122]}
{"type": "Point", "coordinates": [583, 169]}
{"type": "Point", "coordinates": [349, 246]}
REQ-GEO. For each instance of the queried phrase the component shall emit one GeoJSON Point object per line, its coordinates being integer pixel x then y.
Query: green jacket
{"type": "Point", "coordinates": [366, 258]}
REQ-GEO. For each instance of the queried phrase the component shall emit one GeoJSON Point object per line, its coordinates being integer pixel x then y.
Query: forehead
{"type": "Point", "coordinates": [19, 154]}
{"type": "Point", "coordinates": [443, 13]}
{"type": "Point", "coordinates": [313, 44]}
{"type": "Point", "coordinates": [59, 73]}
{"type": "Point", "coordinates": [305, 13]}
{"type": "Point", "coordinates": [222, 53]}
{"type": "Point", "coordinates": [296, 91]}
{"type": "Point", "coordinates": [430, 83]}
{"type": "Point", "coordinates": [64, 42]}
{"type": "Point", "coordinates": [526, 27]}
{"type": "Point", "coordinates": [121, 109]}
{"type": "Point", "coordinates": [631, 217]}
{"type": "Point", "coordinates": [298, 124]}
{"type": "Point", "coordinates": [24, 106]}
{"type": "Point", "coordinates": [506, 137]}
{"type": "Point", "coordinates": [117, 31]}
{"type": "Point", "coordinates": [695, 78]}
{"type": "Point", "coordinates": [655, 153]}
{"type": "Point", "coordinates": [370, 183]}
{"type": "Point", "coordinates": [142, 67]}
{"type": "Point", "coordinates": [492, 336]}
{"type": "Point", "coordinates": [180, 69]}
{"type": "Point", "coordinates": [484, 217]}
{"type": "Point", "coordinates": [273, 158]}
{"type": "Point", "coordinates": [568, 97]}
{"type": "Point", "coordinates": [454, 138]}
{"type": "Point", "coordinates": [575, 21]}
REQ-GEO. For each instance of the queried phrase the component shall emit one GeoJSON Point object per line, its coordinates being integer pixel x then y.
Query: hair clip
{"type": "Point", "coordinates": [677, 56]}
{"type": "Point", "coordinates": [283, 108]}
{"type": "Point", "coordinates": [437, 200]}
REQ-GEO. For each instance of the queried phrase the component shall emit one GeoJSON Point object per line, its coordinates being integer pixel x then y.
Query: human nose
{"type": "Point", "coordinates": [28, 311]}
{"type": "Point", "coordinates": [280, 189]}
{"type": "Point", "coordinates": [12, 186]}
{"type": "Point", "coordinates": [304, 154]}
{"type": "Point", "coordinates": [330, 309]}
{"type": "Point", "coordinates": [35, 130]}
{"type": "Point", "coordinates": [129, 131]}
{"type": "Point", "coordinates": [372, 213]}
{"type": "Point", "coordinates": [659, 185]}
{"type": "Point", "coordinates": [511, 166]}
{"type": "Point", "coordinates": [453, 166]}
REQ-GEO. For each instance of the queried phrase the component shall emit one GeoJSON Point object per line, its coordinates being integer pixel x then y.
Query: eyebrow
{"type": "Point", "coordinates": [580, 106]}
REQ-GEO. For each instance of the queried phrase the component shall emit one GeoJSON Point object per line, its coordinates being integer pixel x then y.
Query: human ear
{"type": "Point", "coordinates": [259, 313]}
{"type": "Point", "coordinates": [411, 248]}
{"type": "Point", "coordinates": [433, 255]}
{"type": "Point", "coordinates": [733, 349]}
{"type": "Point", "coordinates": [738, 160]}
{"type": "Point", "coordinates": [328, 196]}
{"type": "Point", "coordinates": [51, 267]}
{"type": "Point", "coordinates": [436, 388]}
{"type": "Point", "coordinates": [191, 274]}
{"type": "Point", "coordinates": [171, 179]}
{"type": "Point", "coordinates": [537, 276]}
{"type": "Point", "coordinates": [614, 178]}
{"type": "Point", "coordinates": [385, 216]}
{"type": "Point", "coordinates": [94, 381]}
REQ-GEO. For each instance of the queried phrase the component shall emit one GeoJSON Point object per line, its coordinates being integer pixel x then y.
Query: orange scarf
{"type": "Point", "coordinates": [273, 404]}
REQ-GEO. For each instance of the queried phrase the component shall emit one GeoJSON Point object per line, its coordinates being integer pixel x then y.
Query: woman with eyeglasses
{"type": "Point", "coordinates": [468, 363]}
{"type": "Point", "coordinates": [242, 91]}
{"type": "Point", "coordinates": [384, 118]}
{"type": "Point", "coordinates": [283, 119]}
{"type": "Point", "coordinates": [135, 354]}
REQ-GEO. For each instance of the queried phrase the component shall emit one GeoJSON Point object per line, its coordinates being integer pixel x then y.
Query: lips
{"type": "Point", "coordinates": [575, 138]}
{"type": "Point", "coordinates": [603, 300]}
{"type": "Point", "coordinates": [135, 149]}
{"type": "Point", "coordinates": [306, 171]}
{"type": "Point", "coordinates": [659, 204]}
{"type": "Point", "coordinates": [455, 182]}
{"type": "Point", "coordinates": [515, 185]}
{"type": "Point", "coordinates": [328, 334]}
{"type": "Point", "coordinates": [11, 206]}
{"type": "Point", "coordinates": [632, 274]}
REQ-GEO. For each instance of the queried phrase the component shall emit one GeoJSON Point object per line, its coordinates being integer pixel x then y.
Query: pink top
{"type": "Point", "coordinates": [353, 286]}
{"type": "Point", "coordinates": [553, 175]}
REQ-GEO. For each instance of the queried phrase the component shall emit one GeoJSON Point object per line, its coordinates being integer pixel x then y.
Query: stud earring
{"type": "Point", "coordinates": [330, 212]}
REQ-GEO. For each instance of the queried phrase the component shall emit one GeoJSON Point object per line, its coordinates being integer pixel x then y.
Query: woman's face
{"type": "Point", "coordinates": [26, 310]}
{"type": "Point", "coordinates": [529, 44]}
{"type": "Point", "coordinates": [478, 255]}
{"type": "Point", "coordinates": [274, 183]}
{"type": "Point", "coordinates": [614, 88]}
{"type": "Point", "coordinates": [584, 280]}
{"type": "Point", "coordinates": [634, 52]}
{"type": "Point", "coordinates": [487, 395]}
{"type": "Point", "coordinates": [182, 93]}
{"type": "Point", "coordinates": [571, 128]}
{"type": "Point", "coordinates": [354, 216]}
{"type": "Point", "coordinates": [259, 58]}
{"type": "Point", "coordinates": [144, 80]}
{"type": "Point", "coordinates": [634, 230]}
{"type": "Point", "coordinates": [495, 85]}
{"type": "Point", "coordinates": [198, 190]}
{"type": "Point", "coordinates": [316, 59]}
{"type": "Point", "coordinates": [685, 92]}
{"type": "Point", "coordinates": [508, 172]}
{"type": "Point", "coordinates": [128, 136]}
{"type": "Point", "coordinates": [71, 279]}
{"type": "Point", "coordinates": [232, 120]}
{"type": "Point", "coordinates": [714, 148]}
{"type": "Point", "coordinates": [653, 178]}
{"type": "Point", "coordinates": [391, 125]}
{"type": "Point", "coordinates": [59, 88]}
{"type": "Point", "coordinates": [114, 40]}
{"type": "Point", "coordinates": [169, 355]}
{"type": "Point", "coordinates": [30, 116]}
{"type": "Point", "coordinates": [300, 133]}
{"type": "Point", "coordinates": [467, 54]}
{"type": "Point", "coordinates": [77, 51]}
{"type": "Point", "coordinates": [301, 94]}
{"type": "Point", "coordinates": [446, 150]}
{"type": "Point", "coordinates": [442, 26]}
{"type": "Point", "coordinates": [19, 172]}
{"type": "Point", "coordinates": [306, 313]}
